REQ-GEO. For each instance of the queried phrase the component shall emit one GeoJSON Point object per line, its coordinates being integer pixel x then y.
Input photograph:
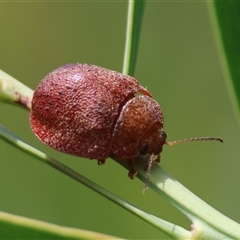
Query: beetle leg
{"type": "Point", "coordinates": [158, 159]}
{"type": "Point", "coordinates": [101, 161]}
{"type": "Point", "coordinates": [149, 167]}
{"type": "Point", "coordinates": [132, 172]}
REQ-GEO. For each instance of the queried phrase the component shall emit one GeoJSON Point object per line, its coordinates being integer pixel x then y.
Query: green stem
{"type": "Point", "coordinates": [14, 92]}
{"type": "Point", "coordinates": [215, 223]}
{"type": "Point", "coordinates": [134, 21]}
{"type": "Point", "coordinates": [18, 227]}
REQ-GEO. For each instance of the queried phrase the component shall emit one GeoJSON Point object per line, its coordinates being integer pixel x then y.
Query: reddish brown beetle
{"type": "Point", "coordinates": [93, 112]}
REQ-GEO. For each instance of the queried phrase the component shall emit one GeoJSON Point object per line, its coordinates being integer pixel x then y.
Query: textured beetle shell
{"type": "Point", "coordinates": [76, 107]}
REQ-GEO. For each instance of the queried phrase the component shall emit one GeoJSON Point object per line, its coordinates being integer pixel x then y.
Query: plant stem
{"type": "Point", "coordinates": [14, 92]}
{"type": "Point", "coordinates": [134, 22]}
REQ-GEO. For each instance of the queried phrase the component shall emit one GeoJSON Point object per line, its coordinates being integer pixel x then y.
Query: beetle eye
{"type": "Point", "coordinates": [144, 150]}
{"type": "Point", "coordinates": [164, 135]}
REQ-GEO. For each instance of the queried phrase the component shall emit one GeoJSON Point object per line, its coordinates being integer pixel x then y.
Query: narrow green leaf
{"type": "Point", "coordinates": [17, 227]}
{"type": "Point", "coordinates": [206, 220]}
{"type": "Point", "coordinates": [134, 23]}
{"type": "Point", "coordinates": [14, 92]}
{"type": "Point", "coordinates": [226, 24]}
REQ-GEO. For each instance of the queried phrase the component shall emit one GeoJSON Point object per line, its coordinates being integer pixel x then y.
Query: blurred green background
{"type": "Point", "coordinates": [178, 62]}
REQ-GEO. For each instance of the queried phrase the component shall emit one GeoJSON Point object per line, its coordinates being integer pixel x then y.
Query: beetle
{"type": "Point", "coordinates": [93, 112]}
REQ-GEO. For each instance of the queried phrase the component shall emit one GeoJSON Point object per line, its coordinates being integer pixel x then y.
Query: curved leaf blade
{"type": "Point", "coordinates": [17, 227]}
{"type": "Point", "coordinates": [226, 24]}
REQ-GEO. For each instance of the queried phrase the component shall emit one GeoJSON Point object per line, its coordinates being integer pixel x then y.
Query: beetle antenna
{"type": "Point", "coordinates": [149, 167]}
{"type": "Point", "coordinates": [151, 156]}
{"type": "Point", "coordinates": [194, 139]}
